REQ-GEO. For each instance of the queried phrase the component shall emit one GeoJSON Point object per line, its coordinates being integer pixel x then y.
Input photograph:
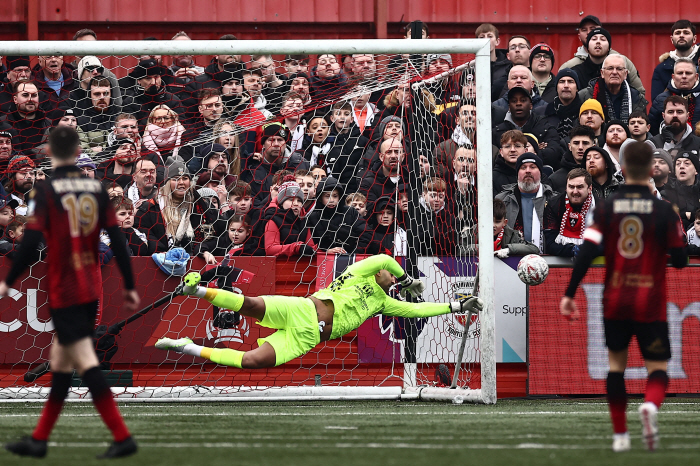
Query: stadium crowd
{"type": "Point", "coordinates": [239, 159]}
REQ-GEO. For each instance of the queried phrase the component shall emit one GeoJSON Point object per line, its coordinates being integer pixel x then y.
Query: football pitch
{"type": "Point", "coordinates": [513, 432]}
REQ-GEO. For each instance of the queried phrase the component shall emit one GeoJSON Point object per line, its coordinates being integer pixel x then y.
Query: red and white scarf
{"type": "Point", "coordinates": [497, 243]}
{"type": "Point", "coordinates": [573, 223]}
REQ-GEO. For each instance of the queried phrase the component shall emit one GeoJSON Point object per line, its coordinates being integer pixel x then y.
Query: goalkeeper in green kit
{"type": "Point", "coordinates": [302, 323]}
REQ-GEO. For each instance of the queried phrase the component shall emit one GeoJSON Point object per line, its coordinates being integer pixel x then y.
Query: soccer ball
{"type": "Point", "coordinates": [532, 269]}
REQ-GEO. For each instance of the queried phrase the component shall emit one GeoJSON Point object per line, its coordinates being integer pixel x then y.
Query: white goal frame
{"type": "Point", "coordinates": [479, 47]}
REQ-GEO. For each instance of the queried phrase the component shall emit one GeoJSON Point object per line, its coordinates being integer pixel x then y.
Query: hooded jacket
{"type": "Point", "coordinates": [543, 131]}
{"type": "Point", "coordinates": [686, 198]}
{"type": "Point", "coordinates": [376, 238]}
{"type": "Point", "coordinates": [664, 70]}
{"type": "Point", "coordinates": [613, 181]}
{"type": "Point", "coordinates": [341, 226]}
{"type": "Point", "coordinates": [657, 107]}
{"type": "Point", "coordinates": [343, 159]}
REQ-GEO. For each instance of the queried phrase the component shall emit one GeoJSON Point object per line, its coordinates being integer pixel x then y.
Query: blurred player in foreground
{"type": "Point", "coordinates": [302, 323]}
{"type": "Point", "coordinates": [635, 229]}
{"type": "Point", "coordinates": [70, 210]}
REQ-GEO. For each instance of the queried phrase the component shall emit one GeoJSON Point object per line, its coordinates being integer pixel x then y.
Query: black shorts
{"type": "Point", "coordinates": [74, 322]}
{"type": "Point", "coordinates": [652, 337]}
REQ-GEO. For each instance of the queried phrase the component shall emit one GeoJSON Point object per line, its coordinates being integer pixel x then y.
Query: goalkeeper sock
{"type": "Point", "coordinates": [617, 401]}
{"type": "Point", "coordinates": [60, 384]}
{"type": "Point", "coordinates": [656, 387]}
{"type": "Point", "coordinates": [225, 356]}
{"type": "Point", "coordinates": [222, 298]}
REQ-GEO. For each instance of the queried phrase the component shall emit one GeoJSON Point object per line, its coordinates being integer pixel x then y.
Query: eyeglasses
{"type": "Point", "coordinates": [511, 146]}
{"type": "Point", "coordinates": [518, 46]}
{"type": "Point", "coordinates": [212, 106]}
{"type": "Point", "coordinates": [541, 56]}
{"type": "Point", "coordinates": [610, 69]}
{"type": "Point", "coordinates": [163, 119]}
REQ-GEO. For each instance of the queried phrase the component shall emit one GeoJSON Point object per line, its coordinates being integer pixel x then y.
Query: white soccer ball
{"type": "Point", "coordinates": [532, 269]}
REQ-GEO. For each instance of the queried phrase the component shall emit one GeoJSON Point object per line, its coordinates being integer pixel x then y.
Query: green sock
{"type": "Point", "coordinates": [224, 299]}
{"type": "Point", "coordinates": [227, 357]}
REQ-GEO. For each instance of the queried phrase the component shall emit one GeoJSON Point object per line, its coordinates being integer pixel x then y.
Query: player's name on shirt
{"type": "Point", "coordinates": [65, 185]}
{"type": "Point", "coordinates": [633, 206]}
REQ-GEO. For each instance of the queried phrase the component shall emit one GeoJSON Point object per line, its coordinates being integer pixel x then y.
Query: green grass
{"type": "Point", "coordinates": [362, 433]}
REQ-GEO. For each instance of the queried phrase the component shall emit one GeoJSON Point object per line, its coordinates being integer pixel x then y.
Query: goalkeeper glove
{"type": "Point", "coordinates": [502, 253]}
{"type": "Point", "coordinates": [471, 304]}
{"type": "Point", "coordinates": [411, 285]}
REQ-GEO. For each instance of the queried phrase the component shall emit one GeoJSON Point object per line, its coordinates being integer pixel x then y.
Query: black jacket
{"type": "Point", "coordinates": [657, 106]}
{"type": "Point", "coordinates": [503, 175]}
{"type": "Point", "coordinates": [378, 239]}
{"type": "Point", "coordinates": [499, 73]}
{"type": "Point", "coordinates": [140, 103]}
{"type": "Point", "coordinates": [662, 74]}
{"type": "Point", "coordinates": [543, 131]}
{"type": "Point", "coordinates": [27, 134]}
{"type": "Point", "coordinates": [557, 180]}
{"type": "Point", "coordinates": [686, 198]}
{"type": "Point", "coordinates": [343, 160]}
{"type": "Point", "coordinates": [375, 184]}
{"type": "Point", "coordinates": [561, 117]}
{"type": "Point", "coordinates": [691, 142]}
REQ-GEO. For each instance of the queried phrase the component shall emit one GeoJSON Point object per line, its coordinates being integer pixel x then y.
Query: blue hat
{"type": "Point", "coordinates": [570, 73]}
{"type": "Point", "coordinates": [173, 262]}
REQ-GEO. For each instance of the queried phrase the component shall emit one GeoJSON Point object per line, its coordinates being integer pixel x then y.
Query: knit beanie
{"type": "Point", "coordinates": [592, 104]}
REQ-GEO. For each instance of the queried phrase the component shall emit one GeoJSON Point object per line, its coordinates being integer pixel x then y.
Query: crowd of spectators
{"type": "Point", "coordinates": [239, 158]}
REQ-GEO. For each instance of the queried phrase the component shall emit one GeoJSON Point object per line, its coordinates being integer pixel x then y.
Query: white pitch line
{"type": "Point", "coordinates": [354, 446]}
{"type": "Point", "coordinates": [306, 414]}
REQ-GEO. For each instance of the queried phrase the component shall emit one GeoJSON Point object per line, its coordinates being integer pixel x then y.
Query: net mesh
{"type": "Point", "coordinates": [274, 173]}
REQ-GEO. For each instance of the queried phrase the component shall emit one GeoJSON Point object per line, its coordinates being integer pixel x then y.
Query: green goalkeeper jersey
{"type": "Point", "coordinates": [356, 296]}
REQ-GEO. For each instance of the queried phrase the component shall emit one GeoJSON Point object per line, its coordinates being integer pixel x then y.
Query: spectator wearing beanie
{"type": "Point", "coordinates": [684, 193]}
{"type": "Point", "coordinates": [541, 64]}
{"type": "Point", "coordinates": [591, 115]}
{"type": "Point", "coordinates": [285, 233]}
{"type": "Point", "coordinates": [563, 112]}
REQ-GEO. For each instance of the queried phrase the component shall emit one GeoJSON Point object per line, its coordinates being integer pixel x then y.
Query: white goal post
{"type": "Point", "coordinates": [479, 47]}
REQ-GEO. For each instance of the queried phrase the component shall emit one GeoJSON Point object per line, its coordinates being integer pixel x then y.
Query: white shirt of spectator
{"type": "Point", "coordinates": [693, 237]}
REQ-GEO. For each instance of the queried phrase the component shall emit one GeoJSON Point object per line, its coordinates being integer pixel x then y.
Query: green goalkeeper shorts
{"type": "Point", "coordinates": [296, 322]}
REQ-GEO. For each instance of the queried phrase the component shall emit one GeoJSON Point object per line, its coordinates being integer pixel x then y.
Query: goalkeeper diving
{"type": "Point", "coordinates": [302, 323]}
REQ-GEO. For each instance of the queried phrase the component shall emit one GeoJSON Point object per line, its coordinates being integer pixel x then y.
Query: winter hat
{"type": "Point", "coordinates": [532, 139]}
{"type": "Point", "coordinates": [5, 134]}
{"type": "Point", "coordinates": [570, 73]}
{"type": "Point", "coordinates": [18, 162]}
{"type": "Point", "coordinates": [148, 67]}
{"type": "Point", "coordinates": [541, 48]}
{"type": "Point", "coordinates": [592, 104]}
{"type": "Point", "coordinates": [16, 61]}
{"type": "Point", "coordinates": [85, 161]}
{"type": "Point", "coordinates": [528, 157]}
{"type": "Point", "coordinates": [623, 147]}
{"type": "Point", "coordinates": [289, 190]}
{"type": "Point", "coordinates": [599, 30]}
{"type": "Point", "coordinates": [175, 167]}
{"type": "Point", "coordinates": [207, 192]}
{"type": "Point", "coordinates": [328, 185]}
{"type": "Point", "coordinates": [440, 56]}
{"type": "Point", "coordinates": [691, 155]}
{"type": "Point", "coordinates": [619, 123]}
{"type": "Point", "coordinates": [211, 149]}
{"type": "Point", "coordinates": [589, 19]}
{"type": "Point", "coordinates": [601, 151]}
{"type": "Point", "coordinates": [173, 262]}
{"type": "Point", "coordinates": [385, 121]}
{"type": "Point", "coordinates": [90, 62]}
{"type": "Point", "coordinates": [518, 90]}
{"type": "Point", "coordinates": [662, 154]}
{"type": "Point", "coordinates": [274, 129]}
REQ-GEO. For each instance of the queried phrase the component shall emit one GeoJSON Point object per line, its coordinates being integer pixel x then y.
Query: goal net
{"type": "Point", "coordinates": [270, 167]}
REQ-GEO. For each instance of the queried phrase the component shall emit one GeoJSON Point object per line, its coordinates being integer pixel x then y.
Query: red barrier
{"type": "Point", "coordinates": [571, 358]}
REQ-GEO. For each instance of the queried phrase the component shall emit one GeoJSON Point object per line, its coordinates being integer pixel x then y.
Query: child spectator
{"type": "Point", "coordinates": [383, 235]}
{"type": "Point", "coordinates": [693, 235]}
{"type": "Point", "coordinates": [343, 160]}
{"type": "Point", "coordinates": [357, 201]}
{"type": "Point", "coordinates": [12, 237]}
{"type": "Point", "coordinates": [7, 214]}
{"type": "Point", "coordinates": [319, 173]}
{"type": "Point", "coordinates": [240, 200]}
{"type": "Point", "coordinates": [113, 189]}
{"type": "Point", "coordinates": [436, 224]}
{"type": "Point", "coordinates": [235, 242]}
{"type": "Point", "coordinates": [285, 233]}
{"type": "Point", "coordinates": [335, 226]}
{"type": "Point", "coordinates": [308, 186]}
{"type": "Point", "coordinates": [316, 144]}
{"type": "Point", "coordinates": [137, 240]}
{"type": "Point", "coordinates": [506, 241]}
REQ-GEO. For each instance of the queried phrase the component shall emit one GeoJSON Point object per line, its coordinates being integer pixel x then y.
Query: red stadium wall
{"type": "Point", "coordinates": [570, 357]}
{"type": "Point", "coordinates": [639, 30]}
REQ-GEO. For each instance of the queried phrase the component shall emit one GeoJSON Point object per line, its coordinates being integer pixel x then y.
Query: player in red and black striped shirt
{"type": "Point", "coordinates": [636, 230]}
{"type": "Point", "coordinates": [69, 210]}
